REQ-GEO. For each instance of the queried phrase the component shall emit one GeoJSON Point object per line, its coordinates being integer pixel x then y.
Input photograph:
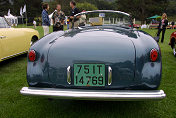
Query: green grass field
{"type": "Point", "coordinates": [14, 105]}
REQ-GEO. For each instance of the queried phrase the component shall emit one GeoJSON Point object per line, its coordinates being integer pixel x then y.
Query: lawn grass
{"type": "Point", "coordinates": [38, 28]}
{"type": "Point", "coordinates": [14, 105]}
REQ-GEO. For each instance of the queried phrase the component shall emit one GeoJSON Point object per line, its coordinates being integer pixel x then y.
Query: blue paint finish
{"type": "Point", "coordinates": [37, 72]}
{"type": "Point", "coordinates": [126, 51]}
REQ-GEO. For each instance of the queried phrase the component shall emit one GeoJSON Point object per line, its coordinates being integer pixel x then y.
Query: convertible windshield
{"type": "Point", "coordinates": [102, 18]}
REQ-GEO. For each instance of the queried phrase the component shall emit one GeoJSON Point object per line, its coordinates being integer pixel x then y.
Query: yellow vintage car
{"type": "Point", "coordinates": [15, 41]}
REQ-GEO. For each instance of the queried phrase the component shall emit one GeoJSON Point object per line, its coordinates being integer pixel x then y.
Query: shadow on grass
{"type": "Point", "coordinates": [12, 60]}
{"type": "Point", "coordinates": [74, 108]}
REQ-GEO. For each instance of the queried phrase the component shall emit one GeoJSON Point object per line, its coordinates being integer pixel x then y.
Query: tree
{"type": "Point", "coordinates": [171, 10]}
{"type": "Point", "coordinates": [64, 3]}
{"type": "Point", "coordinates": [34, 7]}
{"type": "Point", "coordinates": [105, 5]}
{"type": "Point", "coordinates": [141, 9]}
{"type": "Point", "coordinates": [4, 9]}
{"type": "Point", "coordinates": [86, 6]}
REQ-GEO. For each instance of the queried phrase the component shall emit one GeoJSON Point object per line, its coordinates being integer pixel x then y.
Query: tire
{"type": "Point", "coordinates": [34, 39]}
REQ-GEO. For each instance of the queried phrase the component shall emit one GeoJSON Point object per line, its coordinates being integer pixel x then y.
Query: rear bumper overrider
{"type": "Point", "coordinates": [102, 95]}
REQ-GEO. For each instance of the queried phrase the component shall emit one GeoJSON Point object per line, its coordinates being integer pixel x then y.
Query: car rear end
{"type": "Point", "coordinates": [91, 65]}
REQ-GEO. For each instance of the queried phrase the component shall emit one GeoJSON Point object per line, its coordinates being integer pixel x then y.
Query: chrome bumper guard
{"type": "Point", "coordinates": [103, 95]}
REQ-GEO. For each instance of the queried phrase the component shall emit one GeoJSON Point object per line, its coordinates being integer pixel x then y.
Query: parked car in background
{"type": "Point", "coordinates": [135, 26]}
{"type": "Point", "coordinates": [172, 27]}
{"type": "Point", "coordinates": [155, 26]}
{"type": "Point", "coordinates": [172, 42]}
{"type": "Point", "coordinates": [15, 41]}
{"type": "Point", "coordinates": [96, 62]}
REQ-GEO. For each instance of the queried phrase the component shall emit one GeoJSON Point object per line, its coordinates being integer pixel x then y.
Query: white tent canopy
{"type": "Point", "coordinates": [12, 19]}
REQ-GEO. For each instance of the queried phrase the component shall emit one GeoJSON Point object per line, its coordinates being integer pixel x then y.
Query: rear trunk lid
{"type": "Point", "coordinates": [86, 47]}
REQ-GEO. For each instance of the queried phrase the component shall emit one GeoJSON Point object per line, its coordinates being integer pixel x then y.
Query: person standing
{"type": "Point", "coordinates": [162, 26]}
{"type": "Point", "coordinates": [67, 23]}
{"type": "Point", "coordinates": [45, 19]}
{"type": "Point", "coordinates": [173, 23]}
{"type": "Point", "coordinates": [58, 19]}
{"type": "Point", "coordinates": [82, 20]}
{"type": "Point", "coordinates": [35, 24]}
{"type": "Point", "coordinates": [73, 12]}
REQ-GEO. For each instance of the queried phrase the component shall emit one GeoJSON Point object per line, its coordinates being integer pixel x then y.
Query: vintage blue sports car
{"type": "Point", "coordinates": [101, 58]}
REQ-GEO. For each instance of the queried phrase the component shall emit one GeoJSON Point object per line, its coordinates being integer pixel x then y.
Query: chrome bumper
{"type": "Point", "coordinates": [107, 95]}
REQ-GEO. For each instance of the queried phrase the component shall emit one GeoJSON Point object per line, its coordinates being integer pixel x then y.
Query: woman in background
{"type": "Point", "coordinates": [162, 26]}
{"type": "Point", "coordinates": [45, 19]}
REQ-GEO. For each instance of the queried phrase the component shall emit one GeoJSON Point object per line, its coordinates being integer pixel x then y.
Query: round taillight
{"type": "Point", "coordinates": [32, 55]}
{"type": "Point", "coordinates": [153, 55]}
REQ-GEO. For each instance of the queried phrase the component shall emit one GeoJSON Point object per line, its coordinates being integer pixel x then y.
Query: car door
{"type": "Point", "coordinates": [11, 40]}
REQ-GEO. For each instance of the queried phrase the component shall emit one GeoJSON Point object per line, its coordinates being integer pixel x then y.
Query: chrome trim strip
{"type": "Point", "coordinates": [69, 75]}
{"type": "Point", "coordinates": [13, 55]}
{"type": "Point", "coordinates": [102, 11]}
{"type": "Point", "coordinates": [109, 75]}
{"type": "Point", "coordinates": [107, 95]}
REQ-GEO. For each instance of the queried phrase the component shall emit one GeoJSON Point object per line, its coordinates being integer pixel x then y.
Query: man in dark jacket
{"type": "Point", "coordinates": [73, 12]}
{"type": "Point", "coordinates": [45, 19]}
{"type": "Point", "coordinates": [162, 26]}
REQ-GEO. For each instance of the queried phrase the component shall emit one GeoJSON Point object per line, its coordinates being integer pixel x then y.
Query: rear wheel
{"type": "Point", "coordinates": [34, 39]}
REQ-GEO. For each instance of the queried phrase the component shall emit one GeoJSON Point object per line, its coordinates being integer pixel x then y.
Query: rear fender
{"type": "Point", "coordinates": [38, 71]}
{"type": "Point", "coordinates": [148, 73]}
